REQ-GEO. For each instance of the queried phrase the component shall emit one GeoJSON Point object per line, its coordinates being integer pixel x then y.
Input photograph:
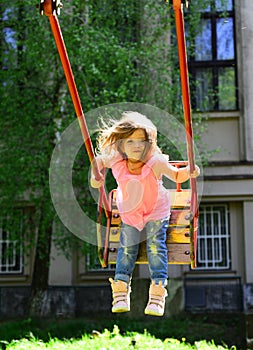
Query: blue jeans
{"type": "Point", "coordinates": [156, 251]}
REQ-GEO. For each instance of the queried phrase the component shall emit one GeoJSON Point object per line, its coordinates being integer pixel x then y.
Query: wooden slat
{"type": "Point", "coordinates": [115, 219]}
{"type": "Point", "coordinates": [174, 234]}
{"type": "Point", "coordinates": [114, 197]}
{"type": "Point", "coordinates": [180, 199]}
{"type": "Point", "coordinates": [179, 218]}
{"type": "Point", "coordinates": [114, 234]}
{"type": "Point", "coordinates": [113, 250]}
{"type": "Point", "coordinates": [178, 235]}
{"type": "Point", "coordinates": [177, 199]}
{"type": "Point", "coordinates": [179, 253]}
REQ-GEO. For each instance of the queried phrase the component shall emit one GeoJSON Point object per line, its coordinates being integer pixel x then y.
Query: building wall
{"type": "Point", "coordinates": [230, 178]}
{"type": "Point", "coordinates": [245, 35]}
{"type": "Point", "coordinates": [223, 136]}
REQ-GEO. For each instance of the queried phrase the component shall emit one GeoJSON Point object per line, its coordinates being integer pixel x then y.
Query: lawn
{"type": "Point", "coordinates": [109, 340]}
{"type": "Point", "coordinates": [106, 332]}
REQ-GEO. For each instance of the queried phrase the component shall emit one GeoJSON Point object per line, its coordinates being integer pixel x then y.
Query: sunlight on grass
{"type": "Point", "coordinates": [108, 341]}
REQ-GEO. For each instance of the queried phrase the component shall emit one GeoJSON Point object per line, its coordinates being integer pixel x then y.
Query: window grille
{"type": "Point", "coordinates": [212, 62]}
{"type": "Point", "coordinates": [11, 252]}
{"type": "Point", "coordinates": [214, 238]}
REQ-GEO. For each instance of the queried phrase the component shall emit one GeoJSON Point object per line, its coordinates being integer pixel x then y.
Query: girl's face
{"type": "Point", "coordinates": [134, 145]}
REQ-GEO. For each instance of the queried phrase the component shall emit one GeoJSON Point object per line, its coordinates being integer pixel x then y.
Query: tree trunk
{"type": "Point", "coordinates": [40, 274]}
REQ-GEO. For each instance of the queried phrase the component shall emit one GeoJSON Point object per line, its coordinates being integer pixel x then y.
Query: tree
{"type": "Point", "coordinates": [117, 53]}
{"type": "Point", "coordinates": [28, 114]}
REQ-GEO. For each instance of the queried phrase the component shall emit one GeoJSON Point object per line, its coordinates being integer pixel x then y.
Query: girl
{"type": "Point", "coordinates": [129, 147]}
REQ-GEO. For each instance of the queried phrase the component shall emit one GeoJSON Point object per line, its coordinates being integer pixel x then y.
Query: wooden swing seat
{"type": "Point", "coordinates": [180, 233]}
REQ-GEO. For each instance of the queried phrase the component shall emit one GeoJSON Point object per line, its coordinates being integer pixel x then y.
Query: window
{"type": "Point", "coordinates": [212, 62]}
{"type": "Point", "coordinates": [11, 249]}
{"type": "Point", "coordinates": [213, 238]}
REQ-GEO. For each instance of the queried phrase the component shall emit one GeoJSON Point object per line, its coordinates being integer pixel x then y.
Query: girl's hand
{"type": "Point", "coordinates": [96, 183]}
{"type": "Point", "coordinates": [195, 173]}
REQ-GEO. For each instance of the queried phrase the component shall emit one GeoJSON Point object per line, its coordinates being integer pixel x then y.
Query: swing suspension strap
{"type": "Point", "coordinates": [179, 19]}
{"type": "Point", "coordinates": [182, 55]}
{"type": "Point", "coordinates": [51, 8]}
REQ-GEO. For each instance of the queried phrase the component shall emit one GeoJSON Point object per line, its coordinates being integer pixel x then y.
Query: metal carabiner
{"type": "Point", "coordinates": [50, 7]}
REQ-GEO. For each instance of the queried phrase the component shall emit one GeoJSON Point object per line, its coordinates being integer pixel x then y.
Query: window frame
{"type": "Point", "coordinates": [15, 256]}
{"type": "Point", "coordinates": [214, 64]}
{"type": "Point", "coordinates": [222, 234]}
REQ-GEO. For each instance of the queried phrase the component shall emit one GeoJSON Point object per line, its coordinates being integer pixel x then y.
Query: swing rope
{"type": "Point", "coordinates": [50, 11]}
{"type": "Point", "coordinates": [182, 55]}
{"type": "Point", "coordinates": [185, 94]}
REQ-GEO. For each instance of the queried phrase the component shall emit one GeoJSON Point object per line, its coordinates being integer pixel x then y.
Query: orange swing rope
{"type": "Point", "coordinates": [179, 19]}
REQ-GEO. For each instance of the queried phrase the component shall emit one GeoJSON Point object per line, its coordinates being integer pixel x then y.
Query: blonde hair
{"type": "Point", "coordinates": [113, 132]}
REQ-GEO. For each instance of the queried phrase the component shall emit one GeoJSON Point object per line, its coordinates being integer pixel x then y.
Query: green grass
{"type": "Point", "coordinates": [106, 332]}
{"type": "Point", "coordinates": [109, 340]}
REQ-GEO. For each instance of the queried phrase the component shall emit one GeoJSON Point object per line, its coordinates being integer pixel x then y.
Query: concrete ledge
{"type": "Point", "coordinates": [82, 300]}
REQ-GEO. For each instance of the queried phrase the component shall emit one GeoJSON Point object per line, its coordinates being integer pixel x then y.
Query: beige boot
{"type": "Point", "coordinates": [121, 296]}
{"type": "Point", "coordinates": [156, 303]}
